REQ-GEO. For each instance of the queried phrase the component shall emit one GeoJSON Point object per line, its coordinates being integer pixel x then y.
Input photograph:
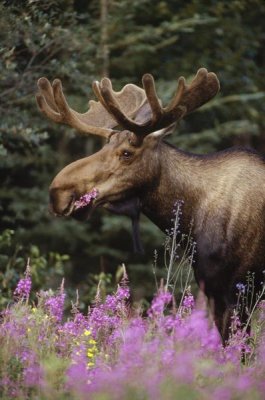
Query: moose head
{"type": "Point", "coordinates": [129, 164]}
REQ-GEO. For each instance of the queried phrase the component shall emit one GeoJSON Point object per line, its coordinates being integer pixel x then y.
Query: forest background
{"type": "Point", "coordinates": [80, 41]}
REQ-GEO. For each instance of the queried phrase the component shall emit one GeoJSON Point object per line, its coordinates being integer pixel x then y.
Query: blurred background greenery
{"type": "Point", "coordinates": [79, 41]}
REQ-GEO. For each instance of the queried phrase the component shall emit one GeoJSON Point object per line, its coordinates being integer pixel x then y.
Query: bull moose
{"type": "Point", "coordinates": [137, 171]}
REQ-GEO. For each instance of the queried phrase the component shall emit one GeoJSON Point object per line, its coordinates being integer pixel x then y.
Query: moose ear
{"type": "Point", "coordinates": [158, 135]}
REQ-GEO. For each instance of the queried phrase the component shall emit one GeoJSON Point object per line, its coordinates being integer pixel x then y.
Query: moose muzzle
{"type": "Point", "coordinates": [61, 201]}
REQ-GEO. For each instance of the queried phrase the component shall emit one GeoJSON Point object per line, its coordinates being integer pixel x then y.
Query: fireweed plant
{"type": "Point", "coordinates": [114, 352]}
{"type": "Point", "coordinates": [86, 199]}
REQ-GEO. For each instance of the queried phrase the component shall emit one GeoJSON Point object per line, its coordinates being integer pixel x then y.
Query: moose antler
{"type": "Point", "coordinates": [97, 120]}
{"type": "Point", "coordinates": [187, 98]}
{"type": "Point", "coordinates": [132, 102]}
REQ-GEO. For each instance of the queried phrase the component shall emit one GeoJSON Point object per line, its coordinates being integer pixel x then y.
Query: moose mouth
{"type": "Point", "coordinates": [86, 199]}
{"type": "Point", "coordinates": [82, 208]}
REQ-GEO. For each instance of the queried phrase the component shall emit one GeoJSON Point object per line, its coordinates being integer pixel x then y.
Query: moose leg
{"type": "Point", "coordinates": [214, 277]}
{"type": "Point", "coordinates": [222, 317]}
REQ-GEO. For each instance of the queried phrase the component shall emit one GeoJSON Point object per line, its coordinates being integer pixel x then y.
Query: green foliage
{"type": "Point", "coordinates": [63, 38]}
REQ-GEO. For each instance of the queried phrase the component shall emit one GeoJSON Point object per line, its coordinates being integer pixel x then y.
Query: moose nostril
{"type": "Point", "coordinates": [68, 207]}
{"type": "Point", "coordinates": [61, 201]}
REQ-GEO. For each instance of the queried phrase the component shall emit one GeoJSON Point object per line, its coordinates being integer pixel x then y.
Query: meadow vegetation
{"type": "Point", "coordinates": [114, 351]}
{"type": "Point", "coordinates": [119, 350]}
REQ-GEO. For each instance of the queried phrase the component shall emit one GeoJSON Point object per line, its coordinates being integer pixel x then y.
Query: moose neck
{"type": "Point", "coordinates": [180, 178]}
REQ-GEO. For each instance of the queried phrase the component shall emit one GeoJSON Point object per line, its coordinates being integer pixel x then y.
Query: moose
{"type": "Point", "coordinates": [137, 171]}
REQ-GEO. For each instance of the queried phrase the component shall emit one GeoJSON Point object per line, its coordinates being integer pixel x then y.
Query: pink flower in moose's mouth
{"type": "Point", "coordinates": [86, 199]}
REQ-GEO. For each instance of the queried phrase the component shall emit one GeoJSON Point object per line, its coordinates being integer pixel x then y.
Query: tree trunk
{"type": "Point", "coordinates": [104, 49]}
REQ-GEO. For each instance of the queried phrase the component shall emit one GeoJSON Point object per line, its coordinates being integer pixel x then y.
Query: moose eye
{"type": "Point", "coordinates": [126, 154]}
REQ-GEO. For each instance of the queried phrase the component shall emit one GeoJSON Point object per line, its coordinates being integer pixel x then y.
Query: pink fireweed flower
{"type": "Point", "coordinates": [55, 304]}
{"type": "Point", "coordinates": [188, 301]}
{"type": "Point", "coordinates": [238, 342]}
{"type": "Point", "coordinates": [86, 198]}
{"type": "Point", "coordinates": [123, 293]}
{"type": "Point", "coordinates": [108, 315]}
{"type": "Point", "coordinates": [159, 303]}
{"type": "Point", "coordinates": [23, 288]}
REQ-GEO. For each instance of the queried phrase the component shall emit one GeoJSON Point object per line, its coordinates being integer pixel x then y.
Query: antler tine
{"type": "Point", "coordinates": [107, 100]}
{"type": "Point", "coordinates": [47, 110]}
{"type": "Point", "coordinates": [182, 86]}
{"type": "Point", "coordinates": [46, 89]}
{"type": "Point", "coordinates": [113, 107]}
{"type": "Point", "coordinates": [45, 100]}
{"type": "Point", "coordinates": [97, 92]}
{"type": "Point", "coordinates": [204, 86]}
{"type": "Point", "coordinates": [154, 102]}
